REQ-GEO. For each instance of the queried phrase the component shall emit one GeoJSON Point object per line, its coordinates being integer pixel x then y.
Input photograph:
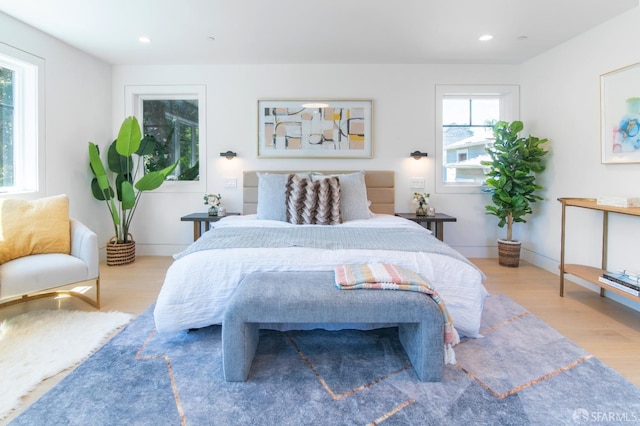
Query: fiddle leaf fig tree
{"type": "Point", "coordinates": [511, 179]}
{"type": "Point", "coordinates": [124, 168]}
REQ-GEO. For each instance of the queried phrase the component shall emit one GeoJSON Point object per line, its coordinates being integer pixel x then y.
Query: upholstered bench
{"type": "Point", "coordinates": [312, 297]}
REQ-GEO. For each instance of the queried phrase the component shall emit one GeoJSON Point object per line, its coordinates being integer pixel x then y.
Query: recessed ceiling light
{"type": "Point", "coordinates": [485, 37]}
{"type": "Point", "coordinates": [144, 39]}
{"type": "Point", "coordinates": [523, 37]}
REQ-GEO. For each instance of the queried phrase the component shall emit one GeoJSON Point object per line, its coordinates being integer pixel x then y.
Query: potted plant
{"type": "Point", "coordinates": [511, 181]}
{"type": "Point", "coordinates": [123, 201]}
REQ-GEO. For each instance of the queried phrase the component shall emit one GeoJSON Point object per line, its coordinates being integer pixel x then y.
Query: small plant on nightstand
{"type": "Point", "coordinates": [422, 200]}
{"type": "Point", "coordinates": [213, 201]}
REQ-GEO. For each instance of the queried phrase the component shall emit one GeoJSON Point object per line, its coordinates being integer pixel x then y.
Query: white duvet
{"type": "Point", "coordinates": [197, 286]}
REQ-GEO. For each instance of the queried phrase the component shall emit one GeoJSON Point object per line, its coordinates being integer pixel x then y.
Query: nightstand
{"type": "Point", "coordinates": [202, 220]}
{"type": "Point", "coordinates": [439, 219]}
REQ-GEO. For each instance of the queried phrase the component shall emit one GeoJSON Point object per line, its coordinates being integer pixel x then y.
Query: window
{"type": "Point", "coordinates": [465, 116]}
{"type": "Point", "coordinates": [21, 139]}
{"type": "Point", "coordinates": [175, 117]}
{"type": "Point", "coordinates": [173, 123]}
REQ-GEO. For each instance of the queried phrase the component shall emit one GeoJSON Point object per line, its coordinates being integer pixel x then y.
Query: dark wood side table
{"type": "Point", "coordinates": [439, 219]}
{"type": "Point", "coordinates": [201, 220]}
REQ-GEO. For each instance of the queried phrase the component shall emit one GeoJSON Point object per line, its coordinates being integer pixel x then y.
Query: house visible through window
{"type": "Point", "coordinates": [467, 130]}
{"type": "Point", "coordinates": [465, 116]}
{"type": "Point", "coordinates": [463, 154]}
{"type": "Point", "coordinates": [21, 139]}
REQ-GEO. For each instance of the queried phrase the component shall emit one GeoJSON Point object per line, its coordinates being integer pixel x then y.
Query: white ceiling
{"type": "Point", "coordinates": [304, 31]}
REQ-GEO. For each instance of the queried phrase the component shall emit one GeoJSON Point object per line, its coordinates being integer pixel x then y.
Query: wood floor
{"type": "Point", "coordinates": [604, 328]}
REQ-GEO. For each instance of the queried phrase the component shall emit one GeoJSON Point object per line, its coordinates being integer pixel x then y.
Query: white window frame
{"type": "Point", "coordinates": [509, 110]}
{"type": "Point", "coordinates": [135, 95]}
{"type": "Point", "coordinates": [29, 116]}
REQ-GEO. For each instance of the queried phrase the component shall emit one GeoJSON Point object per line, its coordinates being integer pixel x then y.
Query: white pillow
{"type": "Point", "coordinates": [272, 195]}
{"type": "Point", "coordinates": [354, 204]}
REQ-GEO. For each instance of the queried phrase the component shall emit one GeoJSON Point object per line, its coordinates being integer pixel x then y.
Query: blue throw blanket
{"type": "Point", "coordinates": [322, 237]}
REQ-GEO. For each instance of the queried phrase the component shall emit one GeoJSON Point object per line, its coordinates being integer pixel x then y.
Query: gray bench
{"type": "Point", "coordinates": [312, 297]}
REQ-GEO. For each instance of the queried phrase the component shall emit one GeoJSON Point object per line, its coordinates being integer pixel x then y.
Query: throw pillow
{"type": "Point", "coordinates": [313, 202]}
{"type": "Point", "coordinates": [34, 227]}
{"type": "Point", "coordinates": [272, 196]}
{"type": "Point", "coordinates": [354, 204]}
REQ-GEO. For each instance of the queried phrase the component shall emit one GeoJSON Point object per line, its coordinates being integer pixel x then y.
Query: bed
{"type": "Point", "coordinates": [203, 277]}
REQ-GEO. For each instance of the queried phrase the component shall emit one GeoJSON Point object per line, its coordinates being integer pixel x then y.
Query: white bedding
{"type": "Point", "coordinates": [197, 286]}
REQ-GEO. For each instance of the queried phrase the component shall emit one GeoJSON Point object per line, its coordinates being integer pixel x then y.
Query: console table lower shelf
{"type": "Point", "coordinates": [591, 274]}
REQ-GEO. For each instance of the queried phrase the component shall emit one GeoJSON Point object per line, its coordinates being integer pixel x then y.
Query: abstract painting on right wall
{"type": "Point", "coordinates": [620, 115]}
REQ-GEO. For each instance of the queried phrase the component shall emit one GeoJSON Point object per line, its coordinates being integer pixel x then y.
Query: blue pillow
{"type": "Point", "coordinates": [272, 203]}
{"type": "Point", "coordinates": [354, 203]}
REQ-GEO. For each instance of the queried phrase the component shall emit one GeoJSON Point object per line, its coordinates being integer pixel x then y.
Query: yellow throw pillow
{"type": "Point", "coordinates": [34, 227]}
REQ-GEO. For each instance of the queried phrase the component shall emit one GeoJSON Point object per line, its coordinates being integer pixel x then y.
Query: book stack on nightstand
{"type": "Point", "coordinates": [624, 281]}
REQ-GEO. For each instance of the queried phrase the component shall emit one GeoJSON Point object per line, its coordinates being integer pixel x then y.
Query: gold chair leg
{"type": "Point", "coordinates": [28, 297]}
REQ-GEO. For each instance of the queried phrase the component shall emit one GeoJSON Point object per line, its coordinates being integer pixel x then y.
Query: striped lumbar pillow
{"type": "Point", "coordinates": [313, 202]}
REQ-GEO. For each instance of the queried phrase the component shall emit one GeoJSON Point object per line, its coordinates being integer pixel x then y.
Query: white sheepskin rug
{"type": "Point", "coordinates": [37, 345]}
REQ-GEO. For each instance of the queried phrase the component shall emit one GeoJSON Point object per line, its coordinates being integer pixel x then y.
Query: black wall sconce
{"type": "Point", "coordinates": [228, 154]}
{"type": "Point", "coordinates": [418, 155]}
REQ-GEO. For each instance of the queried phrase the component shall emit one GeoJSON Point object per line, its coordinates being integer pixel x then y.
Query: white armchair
{"type": "Point", "coordinates": [36, 276]}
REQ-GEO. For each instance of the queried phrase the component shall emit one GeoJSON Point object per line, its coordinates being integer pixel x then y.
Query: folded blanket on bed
{"type": "Point", "coordinates": [384, 276]}
{"type": "Point", "coordinates": [322, 237]}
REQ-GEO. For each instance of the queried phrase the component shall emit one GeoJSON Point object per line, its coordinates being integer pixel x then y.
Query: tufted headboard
{"type": "Point", "coordinates": [380, 189]}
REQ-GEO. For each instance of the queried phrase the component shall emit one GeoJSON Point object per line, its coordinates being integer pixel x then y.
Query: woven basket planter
{"type": "Point", "coordinates": [509, 253]}
{"type": "Point", "coordinates": [120, 253]}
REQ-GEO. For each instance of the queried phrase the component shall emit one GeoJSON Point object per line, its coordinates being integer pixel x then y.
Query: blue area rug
{"type": "Point", "coordinates": [522, 372]}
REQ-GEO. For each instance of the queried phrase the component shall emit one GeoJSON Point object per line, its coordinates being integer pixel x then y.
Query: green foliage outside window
{"type": "Point", "coordinates": [6, 127]}
{"type": "Point", "coordinates": [173, 124]}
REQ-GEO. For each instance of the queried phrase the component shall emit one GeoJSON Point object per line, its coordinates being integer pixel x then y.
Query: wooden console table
{"type": "Point", "coordinates": [585, 272]}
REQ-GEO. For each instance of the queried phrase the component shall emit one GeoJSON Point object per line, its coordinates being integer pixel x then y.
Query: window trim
{"type": "Point", "coordinates": [509, 111]}
{"type": "Point", "coordinates": [134, 95]}
{"type": "Point", "coordinates": [29, 119]}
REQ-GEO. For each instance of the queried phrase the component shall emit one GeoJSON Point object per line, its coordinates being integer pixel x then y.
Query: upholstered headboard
{"type": "Point", "coordinates": [380, 189]}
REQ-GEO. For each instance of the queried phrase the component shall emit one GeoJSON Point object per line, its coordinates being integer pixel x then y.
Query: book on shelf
{"type": "Point", "coordinates": [620, 286]}
{"type": "Point", "coordinates": [624, 278]}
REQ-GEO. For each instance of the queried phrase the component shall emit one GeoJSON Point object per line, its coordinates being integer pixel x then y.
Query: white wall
{"type": "Point", "coordinates": [403, 121]}
{"type": "Point", "coordinates": [561, 101]}
{"type": "Point", "coordinates": [78, 109]}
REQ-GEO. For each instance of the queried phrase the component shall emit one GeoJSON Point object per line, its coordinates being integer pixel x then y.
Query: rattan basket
{"type": "Point", "coordinates": [509, 253]}
{"type": "Point", "coordinates": [121, 253]}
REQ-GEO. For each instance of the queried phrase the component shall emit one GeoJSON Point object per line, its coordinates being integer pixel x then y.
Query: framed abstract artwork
{"type": "Point", "coordinates": [620, 115]}
{"type": "Point", "coordinates": [315, 128]}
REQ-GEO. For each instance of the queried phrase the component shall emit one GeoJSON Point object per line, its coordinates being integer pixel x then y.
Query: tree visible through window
{"type": "Point", "coordinates": [21, 122]}
{"type": "Point", "coordinates": [7, 78]}
{"type": "Point", "coordinates": [174, 125]}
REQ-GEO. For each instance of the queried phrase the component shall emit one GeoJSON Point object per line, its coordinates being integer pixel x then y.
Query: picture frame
{"type": "Point", "coordinates": [315, 128]}
{"type": "Point", "coordinates": [620, 115]}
